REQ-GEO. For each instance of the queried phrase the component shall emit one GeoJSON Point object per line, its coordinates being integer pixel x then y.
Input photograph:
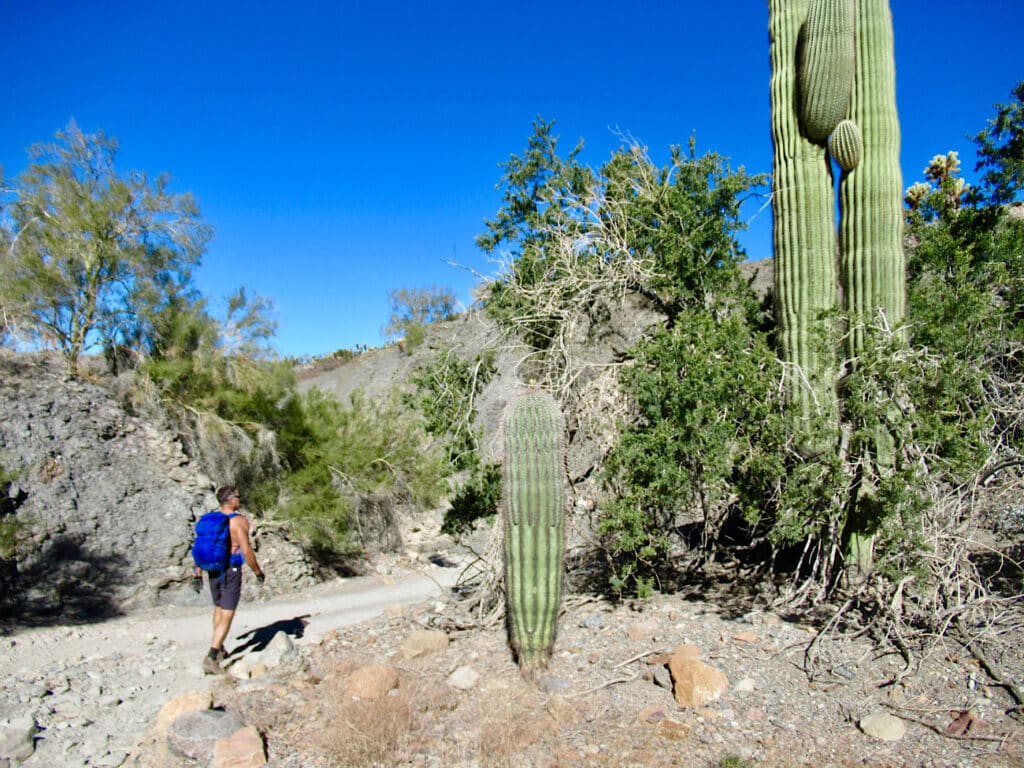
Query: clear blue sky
{"type": "Point", "coordinates": [344, 149]}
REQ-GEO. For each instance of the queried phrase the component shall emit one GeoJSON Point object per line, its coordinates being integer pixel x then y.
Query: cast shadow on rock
{"type": "Point", "coordinates": [65, 584]}
{"type": "Point", "coordinates": [256, 640]}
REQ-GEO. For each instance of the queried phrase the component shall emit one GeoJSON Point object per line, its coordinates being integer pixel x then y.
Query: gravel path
{"type": "Point", "coordinates": [93, 689]}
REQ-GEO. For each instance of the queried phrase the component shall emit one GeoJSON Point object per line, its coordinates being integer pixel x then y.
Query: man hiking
{"type": "Point", "coordinates": [221, 548]}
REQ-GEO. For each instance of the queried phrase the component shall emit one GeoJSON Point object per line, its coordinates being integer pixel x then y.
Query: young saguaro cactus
{"type": "Point", "coordinates": [534, 511]}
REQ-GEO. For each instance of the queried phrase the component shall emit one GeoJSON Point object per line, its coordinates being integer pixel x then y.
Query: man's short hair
{"type": "Point", "coordinates": [225, 492]}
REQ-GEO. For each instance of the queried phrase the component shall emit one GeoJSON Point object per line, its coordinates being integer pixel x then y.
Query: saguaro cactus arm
{"type": "Point", "coordinates": [826, 66]}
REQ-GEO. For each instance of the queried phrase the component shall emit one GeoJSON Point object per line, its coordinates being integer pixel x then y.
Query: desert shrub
{"type": "Point", "coordinates": [361, 449]}
{"type": "Point", "coordinates": [705, 439]}
{"type": "Point", "coordinates": [445, 391]}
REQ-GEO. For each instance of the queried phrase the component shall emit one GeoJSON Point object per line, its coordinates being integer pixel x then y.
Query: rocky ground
{"type": "Point", "coordinates": [672, 681]}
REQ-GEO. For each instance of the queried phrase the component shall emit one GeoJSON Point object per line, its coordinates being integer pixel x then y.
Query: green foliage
{"type": "Point", "coordinates": [533, 186]}
{"type": "Point", "coordinates": [359, 450]}
{"type": "Point", "coordinates": [93, 254]}
{"type": "Point", "coordinates": [534, 544]}
{"type": "Point", "coordinates": [1001, 151]}
{"type": "Point", "coordinates": [695, 450]}
{"type": "Point", "coordinates": [578, 239]}
{"type": "Point", "coordinates": [414, 309]}
{"type": "Point", "coordinates": [445, 390]}
{"type": "Point", "coordinates": [478, 497]}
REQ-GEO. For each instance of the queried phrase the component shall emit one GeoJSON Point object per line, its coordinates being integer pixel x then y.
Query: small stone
{"type": "Point", "coordinates": [883, 726]}
{"type": "Point", "coordinates": [17, 738]}
{"type": "Point", "coordinates": [554, 685]}
{"type": "Point", "coordinates": [178, 706]}
{"type": "Point", "coordinates": [673, 729]}
{"type": "Point", "coordinates": [243, 749]}
{"type": "Point", "coordinates": [423, 642]}
{"type": "Point", "coordinates": [746, 685]}
{"type": "Point", "coordinates": [464, 678]}
{"type": "Point", "coordinates": [642, 630]}
{"type": "Point", "coordinates": [372, 682]}
{"type": "Point", "coordinates": [696, 683]}
{"type": "Point", "coordinates": [662, 677]}
{"type": "Point", "coordinates": [746, 637]}
{"type": "Point", "coordinates": [195, 733]}
{"type": "Point", "coordinates": [279, 650]}
{"type": "Point", "coordinates": [652, 714]}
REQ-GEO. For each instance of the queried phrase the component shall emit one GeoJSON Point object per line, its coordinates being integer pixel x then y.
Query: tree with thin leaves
{"type": "Point", "coordinates": [92, 254]}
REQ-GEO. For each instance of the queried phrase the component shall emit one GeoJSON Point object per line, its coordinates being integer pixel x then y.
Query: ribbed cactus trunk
{"type": "Point", "coordinates": [803, 202]}
{"type": "Point", "coordinates": [871, 228]}
{"type": "Point", "coordinates": [871, 197]}
{"type": "Point", "coordinates": [534, 506]}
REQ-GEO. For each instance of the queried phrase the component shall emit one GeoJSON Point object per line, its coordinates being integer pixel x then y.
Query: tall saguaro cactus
{"type": "Point", "coordinates": [840, 55]}
{"type": "Point", "coordinates": [534, 506]}
{"type": "Point", "coordinates": [803, 203]}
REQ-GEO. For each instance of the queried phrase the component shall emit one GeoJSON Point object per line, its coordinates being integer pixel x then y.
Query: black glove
{"type": "Point", "coordinates": [261, 577]}
{"type": "Point", "coordinates": [197, 584]}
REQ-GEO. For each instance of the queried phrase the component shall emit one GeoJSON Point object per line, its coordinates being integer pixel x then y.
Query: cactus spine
{"type": "Point", "coordinates": [534, 501]}
{"type": "Point", "coordinates": [804, 236]}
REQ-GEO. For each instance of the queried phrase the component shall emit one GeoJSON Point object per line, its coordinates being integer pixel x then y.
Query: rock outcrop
{"type": "Point", "coordinates": [104, 501]}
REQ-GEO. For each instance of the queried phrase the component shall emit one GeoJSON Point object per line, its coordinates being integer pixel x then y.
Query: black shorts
{"type": "Point", "coordinates": [226, 591]}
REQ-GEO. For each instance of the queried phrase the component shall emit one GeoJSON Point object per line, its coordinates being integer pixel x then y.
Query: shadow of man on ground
{"type": "Point", "coordinates": [256, 640]}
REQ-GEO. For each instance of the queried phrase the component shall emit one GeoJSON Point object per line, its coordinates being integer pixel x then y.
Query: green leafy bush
{"type": "Point", "coordinates": [358, 450]}
{"type": "Point", "coordinates": [445, 390]}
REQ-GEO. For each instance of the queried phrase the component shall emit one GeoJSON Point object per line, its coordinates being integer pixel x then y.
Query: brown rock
{"type": "Point", "coordinates": [243, 749]}
{"type": "Point", "coordinates": [423, 642]}
{"type": "Point", "coordinates": [746, 637]}
{"type": "Point", "coordinates": [696, 684]}
{"type": "Point", "coordinates": [642, 629]}
{"type": "Point", "coordinates": [173, 709]}
{"type": "Point", "coordinates": [673, 729]}
{"type": "Point", "coordinates": [652, 714]}
{"type": "Point", "coordinates": [685, 650]}
{"type": "Point", "coordinates": [372, 682]}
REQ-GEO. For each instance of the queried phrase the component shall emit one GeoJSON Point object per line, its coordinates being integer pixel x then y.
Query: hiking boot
{"type": "Point", "coordinates": [211, 666]}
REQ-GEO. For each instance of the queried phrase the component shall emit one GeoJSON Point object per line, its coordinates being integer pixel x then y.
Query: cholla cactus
{"type": "Point", "coordinates": [943, 167]}
{"type": "Point", "coordinates": [534, 505]}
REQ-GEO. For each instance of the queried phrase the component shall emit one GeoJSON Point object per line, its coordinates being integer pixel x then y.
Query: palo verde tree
{"type": "Point", "coordinates": [412, 309]}
{"type": "Point", "coordinates": [92, 254]}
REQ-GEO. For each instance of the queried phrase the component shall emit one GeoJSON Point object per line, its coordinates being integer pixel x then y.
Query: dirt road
{"type": "Point", "coordinates": [93, 689]}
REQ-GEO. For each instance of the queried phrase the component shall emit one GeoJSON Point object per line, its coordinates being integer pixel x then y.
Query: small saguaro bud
{"type": "Point", "coordinates": [846, 145]}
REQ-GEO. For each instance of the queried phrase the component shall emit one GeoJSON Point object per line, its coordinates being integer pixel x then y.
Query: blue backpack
{"type": "Point", "coordinates": [212, 548]}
